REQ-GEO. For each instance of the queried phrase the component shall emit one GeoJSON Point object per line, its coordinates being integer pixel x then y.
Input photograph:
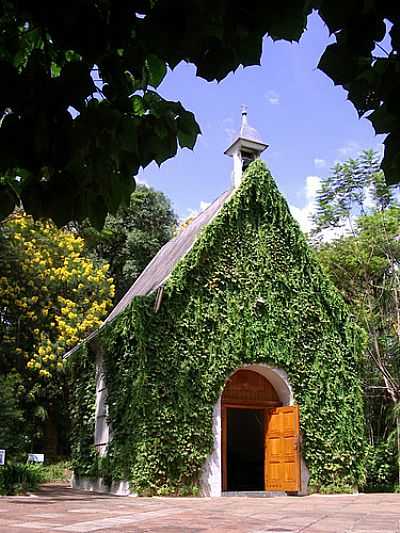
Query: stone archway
{"type": "Point", "coordinates": [212, 476]}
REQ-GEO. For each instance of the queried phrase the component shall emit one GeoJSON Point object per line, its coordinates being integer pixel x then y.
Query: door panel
{"type": "Point", "coordinates": [282, 453]}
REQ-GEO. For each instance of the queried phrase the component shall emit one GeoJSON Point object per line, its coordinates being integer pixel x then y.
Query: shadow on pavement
{"type": "Point", "coordinates": [46, 494]}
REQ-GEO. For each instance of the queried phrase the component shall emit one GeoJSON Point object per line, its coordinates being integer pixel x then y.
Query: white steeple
{"type": "Point", "coordinates": [246, 147]}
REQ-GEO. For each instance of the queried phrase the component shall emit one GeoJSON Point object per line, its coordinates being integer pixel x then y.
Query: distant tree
{"type": "Point", "coordinates": [365, 267]}
{"type": "Point", "coordinates": [106, 60]}
{"type": "Point", "coordinates": [131, 238]}
{"type": "Point", "coordinates": [364, 264]}
{"type": "Point", "coordinates": [51, 297]}
{"type": "Point", "coordinates": [355, 187]}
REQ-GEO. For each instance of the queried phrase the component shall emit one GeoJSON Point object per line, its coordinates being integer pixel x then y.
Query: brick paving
{"type": "Point", "coordinates": [58, 508]}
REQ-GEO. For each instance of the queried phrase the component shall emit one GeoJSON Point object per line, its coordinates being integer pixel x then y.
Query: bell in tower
{"type": "Point", "coordinates": [245, 149]}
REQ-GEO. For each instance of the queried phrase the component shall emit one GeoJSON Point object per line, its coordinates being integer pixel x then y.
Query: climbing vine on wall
{"type": "Point", "coordinates": [82, 385]}
{"type": "Point", "coordinates": [249, 291]}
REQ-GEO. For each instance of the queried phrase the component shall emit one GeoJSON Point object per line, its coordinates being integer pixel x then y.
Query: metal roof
{"type": "Point", "coordinates": [162, 265]}
{"type": "Point", "coordinates": [247, 135]}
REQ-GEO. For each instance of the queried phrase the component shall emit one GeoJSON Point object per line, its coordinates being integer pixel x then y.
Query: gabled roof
{"type": "Point", "coordinates": [164, 262]}
{"type": "Point", "coordinates": [162, 265]}
{"type": "Point", "coordinates": [249, 133]}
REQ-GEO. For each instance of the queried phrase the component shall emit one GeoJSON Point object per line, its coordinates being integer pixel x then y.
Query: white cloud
{"type": "Point", "coordinates": [369, 201]}
{"type": "Point", "coordinates": [380, 148]}
{"type": "Point", "coordinates": [350, 149]}
{"type": "Point", "coordinates": [272, 97]}
{"type": "Point", "coordinates": [204, 205]}
{"type": "Point", "coordinates": [303, 214]}
{"type": "Point", "coordinates": [230, 133]}
{"type": "Point", "coordinates": [313, 184]}
{"type": "Point", "coordinates": [141, 181]}
{"type": "Point", "coordinates": [330, 234]}
{"type": "Point", "coordinates": [228, 127]}
{"type": "Point", "coordinates": [319, 163]}
{"type": "Point", "coordinates": [191, 213]}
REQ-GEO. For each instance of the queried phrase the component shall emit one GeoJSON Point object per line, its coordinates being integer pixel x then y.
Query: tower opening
{"type": "Point", "coordinates": [247, 158]}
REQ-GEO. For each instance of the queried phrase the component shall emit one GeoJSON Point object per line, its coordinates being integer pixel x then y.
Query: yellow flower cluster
{"type": "Point", "coordinates": [53, 295]}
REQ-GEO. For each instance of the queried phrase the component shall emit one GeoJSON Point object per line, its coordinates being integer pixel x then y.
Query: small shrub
{"type": "Point", "coordinates": [381, 468]}
{"type": "Point", "coordinates": [189, 490]}
{"type": "Point", "coordinates": [336, 489]}
{"type": "Point", "coordinates": [18, 478]}
{"type": "Point", "coordinates": [13, 427]}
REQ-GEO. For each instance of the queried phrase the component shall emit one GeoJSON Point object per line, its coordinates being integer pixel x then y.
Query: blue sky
{"type": "Point", "coordinates": [305, 119]}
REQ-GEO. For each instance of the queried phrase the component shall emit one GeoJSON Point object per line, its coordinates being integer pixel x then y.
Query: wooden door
{"type": "Point", "coordinates": [282, 449]}
{"type": "Point", "coordinates": [245, 389]}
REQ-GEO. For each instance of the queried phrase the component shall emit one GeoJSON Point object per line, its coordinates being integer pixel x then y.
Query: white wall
{"type": "Point", "coordinates": [211, 477]}
{"type": "Point", "coordinates": [102, 429]}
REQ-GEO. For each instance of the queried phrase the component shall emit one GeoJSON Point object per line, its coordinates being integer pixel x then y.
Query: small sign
{"type": "Point", "coordinates": [2, 457]}
{"type": "Point", "coordinates": [35, 457]}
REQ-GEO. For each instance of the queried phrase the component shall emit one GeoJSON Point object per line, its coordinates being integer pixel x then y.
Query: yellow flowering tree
{"type": "Point", "coordinates": [51, 297]}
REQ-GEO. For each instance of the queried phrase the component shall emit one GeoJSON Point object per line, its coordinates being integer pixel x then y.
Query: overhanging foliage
{"type": "Point", "coordinates": [106, 59]}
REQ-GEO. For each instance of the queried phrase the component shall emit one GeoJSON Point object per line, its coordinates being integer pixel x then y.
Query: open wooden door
{"type": "Point", "coordinates": [282, 449]}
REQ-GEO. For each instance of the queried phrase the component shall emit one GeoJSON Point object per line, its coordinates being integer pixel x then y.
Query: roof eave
{"type": "Point", "coordinates": [246, 143]}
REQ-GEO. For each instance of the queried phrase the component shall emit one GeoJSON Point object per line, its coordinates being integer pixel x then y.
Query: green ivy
{"type": "Point", "coordinates": [82, 385]}
{"type": "Point", "coordinates": [249, 291]}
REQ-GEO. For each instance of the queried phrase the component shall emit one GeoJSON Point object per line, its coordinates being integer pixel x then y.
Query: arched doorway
{"type": "Point", "coordinates": [260, 436]}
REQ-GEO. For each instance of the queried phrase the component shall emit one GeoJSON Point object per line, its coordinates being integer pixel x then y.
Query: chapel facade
{"type": "Point", "coordinates": [231, 364]}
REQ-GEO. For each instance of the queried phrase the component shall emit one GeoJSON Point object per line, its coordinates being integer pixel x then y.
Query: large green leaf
{"type": "Point", "coordinates": [157, 70]}
{"type": "Point", "coordinates": [382, 120]}
{"type": "Point", "coordinates": [188, 129]}
{"type": "Point", "coordinates": [339, 63]}
{"type": "Point", "coordinates": [99, 62]}
{"type": "Point", "coordinates": [391, 160]}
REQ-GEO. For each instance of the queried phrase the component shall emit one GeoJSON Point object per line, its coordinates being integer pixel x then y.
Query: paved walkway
{"type": "Point", "coordinates": [57, 508]}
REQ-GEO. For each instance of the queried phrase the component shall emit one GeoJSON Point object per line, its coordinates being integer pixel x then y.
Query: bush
{"type": "Point", "coordinates": [381, 468]}
{"type": "Point", "coordinates": [332, 488]}
{"type": "Point", "coordinates": [336, 489]}
{"type": "Point", "coordinates": [13, 426]}
{"type": "Point", "coordinates": [19, 478]}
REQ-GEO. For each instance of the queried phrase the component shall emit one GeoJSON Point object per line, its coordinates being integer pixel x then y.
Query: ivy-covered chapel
{"type": "Point", "coordinates": [231, 365]}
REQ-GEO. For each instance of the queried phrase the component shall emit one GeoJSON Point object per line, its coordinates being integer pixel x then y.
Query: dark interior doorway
{"type": "Point", "coordinates": [245, 449]}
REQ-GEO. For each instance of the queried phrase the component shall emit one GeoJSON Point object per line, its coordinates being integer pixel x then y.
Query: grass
{"type": "Point", "coordinates": [60, 471]}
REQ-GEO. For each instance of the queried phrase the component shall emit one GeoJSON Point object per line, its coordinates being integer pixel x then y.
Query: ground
{"type": "Point", "coordinates": [58, 508]}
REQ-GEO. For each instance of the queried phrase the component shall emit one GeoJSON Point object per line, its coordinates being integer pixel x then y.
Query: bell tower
{"type": "Point", "coordinates": [246, 148]}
